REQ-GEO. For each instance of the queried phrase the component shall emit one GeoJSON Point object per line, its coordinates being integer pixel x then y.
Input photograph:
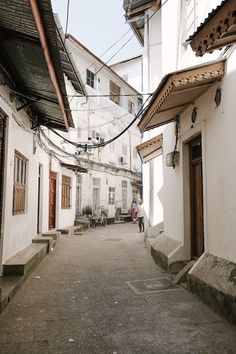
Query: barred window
{"type": "Point", "coordinates": [66, 192]}
{"type": "Point", "coordinates": [111, 195]}
{"type": "Point", "coordinates": [19, 188]}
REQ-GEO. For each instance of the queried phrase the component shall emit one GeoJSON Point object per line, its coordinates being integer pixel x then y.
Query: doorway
{"type": "Point", "coordinates": [52, 200]}
{"type": "Point", "coordinates": [2, 153]}
{"type": "Point", "coordinates": [39, 215]}
{"type": "Point", "coordinates": [196, 197]}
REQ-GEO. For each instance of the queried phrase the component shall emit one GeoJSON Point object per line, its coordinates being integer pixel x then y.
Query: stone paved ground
{"type": "Point", "coordinates": [78, 301]}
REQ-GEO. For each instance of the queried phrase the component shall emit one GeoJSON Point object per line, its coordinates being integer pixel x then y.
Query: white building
{"type": "Point", "coordinates": [114, 176]}
{"type": "Point", "coordinates": [131, 70]}
{"type": "Point", "coordinates": [193, 106]}
{"type": "Point", "coordinates": [35, 186]}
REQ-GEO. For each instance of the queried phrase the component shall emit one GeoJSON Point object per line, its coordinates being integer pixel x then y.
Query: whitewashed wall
{"type": "Point", "coordinates": [18, 230]}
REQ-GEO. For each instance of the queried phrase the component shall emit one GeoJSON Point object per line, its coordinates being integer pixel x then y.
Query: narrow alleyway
{"type": "Point", "coordinates": [82, 299]}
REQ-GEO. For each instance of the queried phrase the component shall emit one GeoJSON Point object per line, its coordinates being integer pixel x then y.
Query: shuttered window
{"type": "Point", "coordinates": [114, 92]}
{"type": "Point", "coordinates": [19, 188]}
{"type": "Point", "coordinates": [66, 192]}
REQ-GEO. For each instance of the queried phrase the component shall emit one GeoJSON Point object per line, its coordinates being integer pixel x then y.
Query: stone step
{"type": "Point", "coordinates": [45, 239]}
{"type": "Point", "coordinates": [181, 277]}
{"type": "Point", "coordinates": [70, 231]}
{"type": "Point", "coordinates": [83, 223]}
{"type": "Point", "coordinates": [54, 233]}
{"type": "Point", "coordinates": [26, 260]}
{"type": "Point", "coordinates": [9, 285]}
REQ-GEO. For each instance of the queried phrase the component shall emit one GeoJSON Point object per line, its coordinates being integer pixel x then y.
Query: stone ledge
{"type": "Point", "coordinates": [213, 279]}
{"type": "Point", "coordinates": [26, 260]}
{"type": "Point", "coordinates": [9, 285]}
{"type": "Point", "coordinates": [45, 239]}
{"type": "Point", "coordinates": [161, 248]}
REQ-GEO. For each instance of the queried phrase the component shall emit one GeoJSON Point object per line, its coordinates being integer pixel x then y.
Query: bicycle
{"type": "Point", "coordinates": [100, 219]}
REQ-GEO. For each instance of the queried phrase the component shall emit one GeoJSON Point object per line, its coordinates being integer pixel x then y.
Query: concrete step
{"type": "Point", "coordinates": [181, 277]}
{"type": "Point", "coordinates": [72, 230]}
{"type": "Point", "coordinates": [45, 239]}
{"type": "Point", "coordinates": [83, 223]}
{"type": "Point", "coordinates": [9, 285]}
{"type": "Point", "coordinates": [54, 233]}
{"type": "Point", "coordinates": [26, 260]}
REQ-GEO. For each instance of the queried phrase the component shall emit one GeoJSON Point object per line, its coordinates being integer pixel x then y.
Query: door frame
{"type": "Point", "coordinates": [53, 176]}
{"type": "Point", "coordinates": [40, 198]}
{"type": "Point", "coordinates": [3, 117]}
{"type": "Point", "coordinates": [193, 162]}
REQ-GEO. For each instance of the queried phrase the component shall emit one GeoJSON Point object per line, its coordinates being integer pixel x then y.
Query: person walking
{"type": "Point", "coordinates": [133, 211]}
{"type": "Point", "coordinates": [140, 216]}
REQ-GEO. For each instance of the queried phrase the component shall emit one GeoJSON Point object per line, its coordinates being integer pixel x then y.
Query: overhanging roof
{"type": "Point", "coordinates": [75, 168]}
{"type": "Point", "coordinates": [67, 62]}
{"type": "Point", "coordinates": [134, 14]}
{"type": "Point", "coordinates": [150, 149]}
{"type": "Point", "coordinates": [25, 61]}
{"type": "Point", "coordinates": [177, 90]}
{"type": "Point", "coordinates": [218, 29]}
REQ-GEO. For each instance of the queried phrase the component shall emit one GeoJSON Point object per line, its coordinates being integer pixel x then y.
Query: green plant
{"type": "Point", "coordinates": [87, 210]}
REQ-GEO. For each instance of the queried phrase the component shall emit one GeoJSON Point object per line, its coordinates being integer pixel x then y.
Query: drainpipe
{"type": "Point", "coordinates": [39, 25]}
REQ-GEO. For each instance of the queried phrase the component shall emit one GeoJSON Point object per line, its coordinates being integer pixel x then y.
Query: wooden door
{"type": "Point", "coordinates": [196, 198]}
{"type": "Point", "coordinates": [52, 200]}
{"type": "Point", "coordinates": [2, 145]}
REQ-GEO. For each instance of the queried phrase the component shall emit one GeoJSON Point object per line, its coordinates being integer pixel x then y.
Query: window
{"type": "Point", "coordinates": [191, 16]}
{"type": "Point", "coordinates": [90, 78]}
{"type": "Point", "coordinates": [65, 192]}
{"type": "Point", "coordinates": [131, 107]}
{"type": "Point", "coordinates": [114, 92]}
{"type": "Point", "coordinates": [124, 150]}
{"type": "Point", "coordinates": [135, 153]}
{"type": "Point", "coordinates": [124, 195]}
{"type": "Point", "coordinates": [19, 188]}
{"type": "Point", "coordinates": [96, 193]}
{"type": "Point", "coordinates": [111, 195]}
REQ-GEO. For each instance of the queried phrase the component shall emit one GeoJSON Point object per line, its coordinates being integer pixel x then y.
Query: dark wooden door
{"type": "Point", "coordinates": [196, 198]}
{"type": "Point", "coordinates": [52, 200]}
{"type": "Point", "coordinates": [2, 149]}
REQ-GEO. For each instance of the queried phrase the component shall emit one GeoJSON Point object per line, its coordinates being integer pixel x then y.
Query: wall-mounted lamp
{"type": "Point", "coordinates": [217, 97]}
{"type": "Point", "coordinates": [194, 115]}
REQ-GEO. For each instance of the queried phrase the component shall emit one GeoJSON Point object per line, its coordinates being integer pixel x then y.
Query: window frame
{"type": "Point", "coordinates": [111, 195]}
{"type": "Point", "coordinates": [19, 184]}
{"type": "Point", "coordinates": [90, 78]}
{"type": "Point", "coordinates": [65, 192]}
{"type": "Point", "coordinates": [115, 92]}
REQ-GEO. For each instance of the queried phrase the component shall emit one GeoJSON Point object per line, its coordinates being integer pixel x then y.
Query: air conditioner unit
{"type": "Point", "coordinates": [123, 160]}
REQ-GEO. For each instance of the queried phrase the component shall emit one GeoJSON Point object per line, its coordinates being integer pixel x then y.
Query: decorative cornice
{"type": "Point", "coordinates": [218, 29]}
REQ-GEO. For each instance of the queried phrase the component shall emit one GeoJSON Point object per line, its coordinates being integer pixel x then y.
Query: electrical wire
{"type": "Point", "coordinates": [141, 111]}
{"type": "Point", "coordinates": [129, 38]}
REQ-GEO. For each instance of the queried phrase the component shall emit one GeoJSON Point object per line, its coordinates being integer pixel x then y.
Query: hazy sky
{"type": "Point", "coordinates": [98, 24]}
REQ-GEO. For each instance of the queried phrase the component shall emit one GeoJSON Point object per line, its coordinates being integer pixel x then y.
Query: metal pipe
{"type": "Point", "coordinates": [39, 25]}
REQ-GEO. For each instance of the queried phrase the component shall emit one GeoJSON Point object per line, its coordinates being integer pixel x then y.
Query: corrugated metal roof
{"type": "Point", "coordinates": [22, 58]}
{"type": "Point", "coordinates": [208, 18]}
{"type": "Point", "coordinates": [68, 65]}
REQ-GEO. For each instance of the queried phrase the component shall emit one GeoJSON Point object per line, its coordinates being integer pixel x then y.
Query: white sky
{"type": "Point", "coordinates": [98, 24]}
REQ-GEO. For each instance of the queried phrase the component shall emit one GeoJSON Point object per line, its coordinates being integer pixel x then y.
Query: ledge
{"type": "Point", "coordinates": [213, 279]}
